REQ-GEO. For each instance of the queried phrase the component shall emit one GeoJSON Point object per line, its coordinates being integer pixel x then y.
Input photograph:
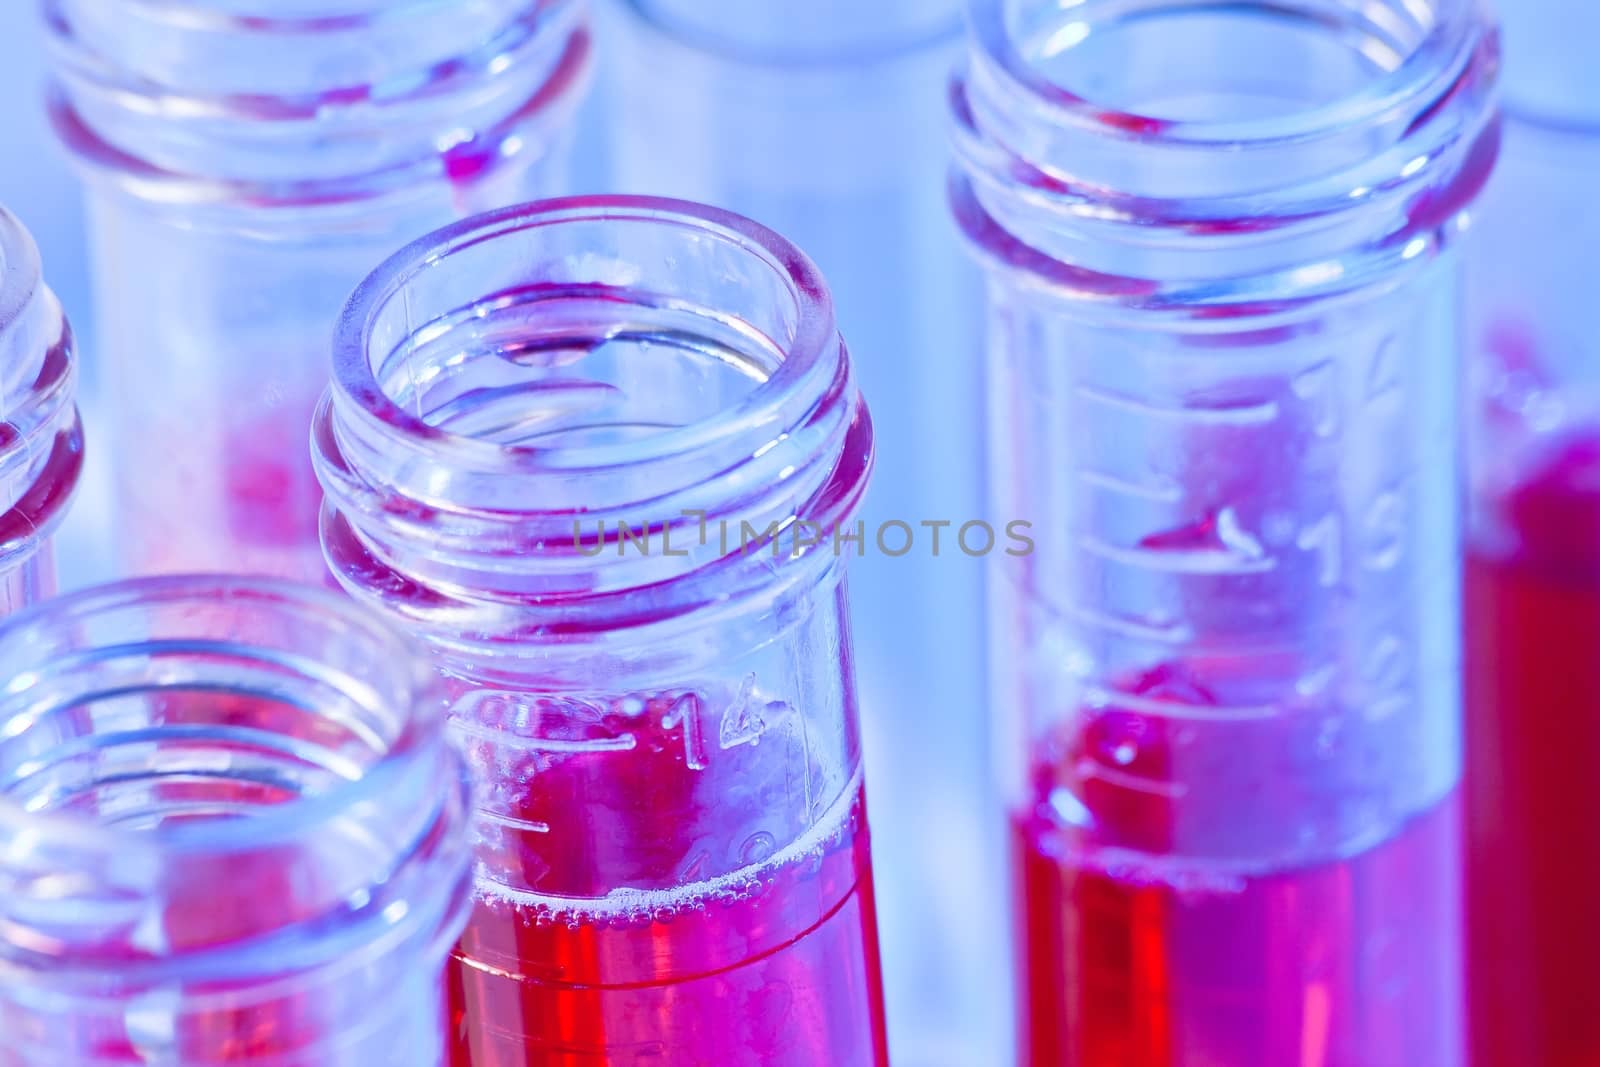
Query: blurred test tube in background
{"type": "Point", "coordinates": [1533, 561]}
{"type": "Point", "coordinates": [826, 122]}
{"type": "Point", "coordinates": [246, 164]}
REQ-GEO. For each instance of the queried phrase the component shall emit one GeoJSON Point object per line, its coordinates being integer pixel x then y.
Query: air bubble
{"type": "Point", "coordinates": [758, 848]}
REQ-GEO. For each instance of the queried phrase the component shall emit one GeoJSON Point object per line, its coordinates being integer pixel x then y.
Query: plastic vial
{"type": "Point", "coordinates": [231, 832]}
{"type": "Point", "coordinates": [827, 122]}
{"type": "Point", "coordinates": [603, 456]}
{"type": "Point", "coordinates": [248, 162]}
{"type": "Point", "coordinates": [1222, 244]}
{"type": "Point", "coordinates": [1533, 560]}
{"type": "Point", "coordinates": [41, 444]}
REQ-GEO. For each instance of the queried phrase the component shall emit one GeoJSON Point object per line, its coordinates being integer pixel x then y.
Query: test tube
{"type": "Point", "coordinates": [41, 443]}
{"type": "Point", "coordinates": [1225, 336]}
{"type": "Point", "coordinates": [603, 456]}
{"type": "Point", "coordinates": [231, 832]}
{"type": "Point", "coordinates": [826, 121]}
{"type": "Point", "coordinates": [1533, 556]}
{"type": "Point", "coordinates": [247, 164]}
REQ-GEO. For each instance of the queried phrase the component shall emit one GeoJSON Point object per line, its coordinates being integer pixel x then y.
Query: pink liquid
{"type": "Point", "coordinates": [247, 503]}
{"type": "Point", "coordinates": [750, 940]}
{"type": "Point", "coordinates": [1533, 839]}
{"type": "Point", "coordinates": [1351, 963]}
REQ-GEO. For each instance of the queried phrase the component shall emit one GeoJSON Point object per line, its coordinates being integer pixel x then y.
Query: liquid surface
{"type": "Point", "coordinates": [773, 962]}
{"type": "Point", "coordinates": [1133, 954]}
{"type": "Point", "coordinates": [1533, 702]}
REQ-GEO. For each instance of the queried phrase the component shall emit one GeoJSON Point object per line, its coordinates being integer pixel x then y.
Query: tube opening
{"type": "Point", "coordinates": [316, 105]}
{"type": "Point", "coordinates": [1192, 154]}
{"type": "Point", "coordinates": [571, 332]}
{"type": "Point", "coordinates": [1216, 62]}
{"type": "Point", "coordinates": [607, 335]}
{"type": "Point", "coordinates": [1208, 71]}
{"type": "Point", "coordinates": [171, 750]}
{"type": "Point", "coordinates": [520, 397]}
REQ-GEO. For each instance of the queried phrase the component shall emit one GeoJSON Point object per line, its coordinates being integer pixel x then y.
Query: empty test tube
{"type": "Point", "coordinates": [231, 832]}
{"type": "Point", "coordinates": [247, 164]}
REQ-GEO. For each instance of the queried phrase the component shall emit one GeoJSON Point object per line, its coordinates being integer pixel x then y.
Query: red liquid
{"type": "Point", "coordinates": [1349, 963]}
{"type": "Point", "coordinates": [1342, 965]}
{"type": "Point", "coordinates": [773, 963]}
{"type": "Point", "coordinates": [1533, 836]}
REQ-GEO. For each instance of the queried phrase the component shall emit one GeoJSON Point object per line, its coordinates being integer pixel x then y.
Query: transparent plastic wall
{"type": "Point", "coordinates": [36, 186]}
{"type": "Point", "coordinates": [1225, 335]}
{"type": "Point", "coordinates": [231, 832]}
{"type": "Point", "coordinates": [41, 441]}
{"type": "Point", "coordinates": [827, 123]}
{"type": "Point", "coordinates": [246, 164]}
{"type": "Point", "coordinates": [557, 438]}
{"type": "Point", "coordinates": [1533, 562]}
